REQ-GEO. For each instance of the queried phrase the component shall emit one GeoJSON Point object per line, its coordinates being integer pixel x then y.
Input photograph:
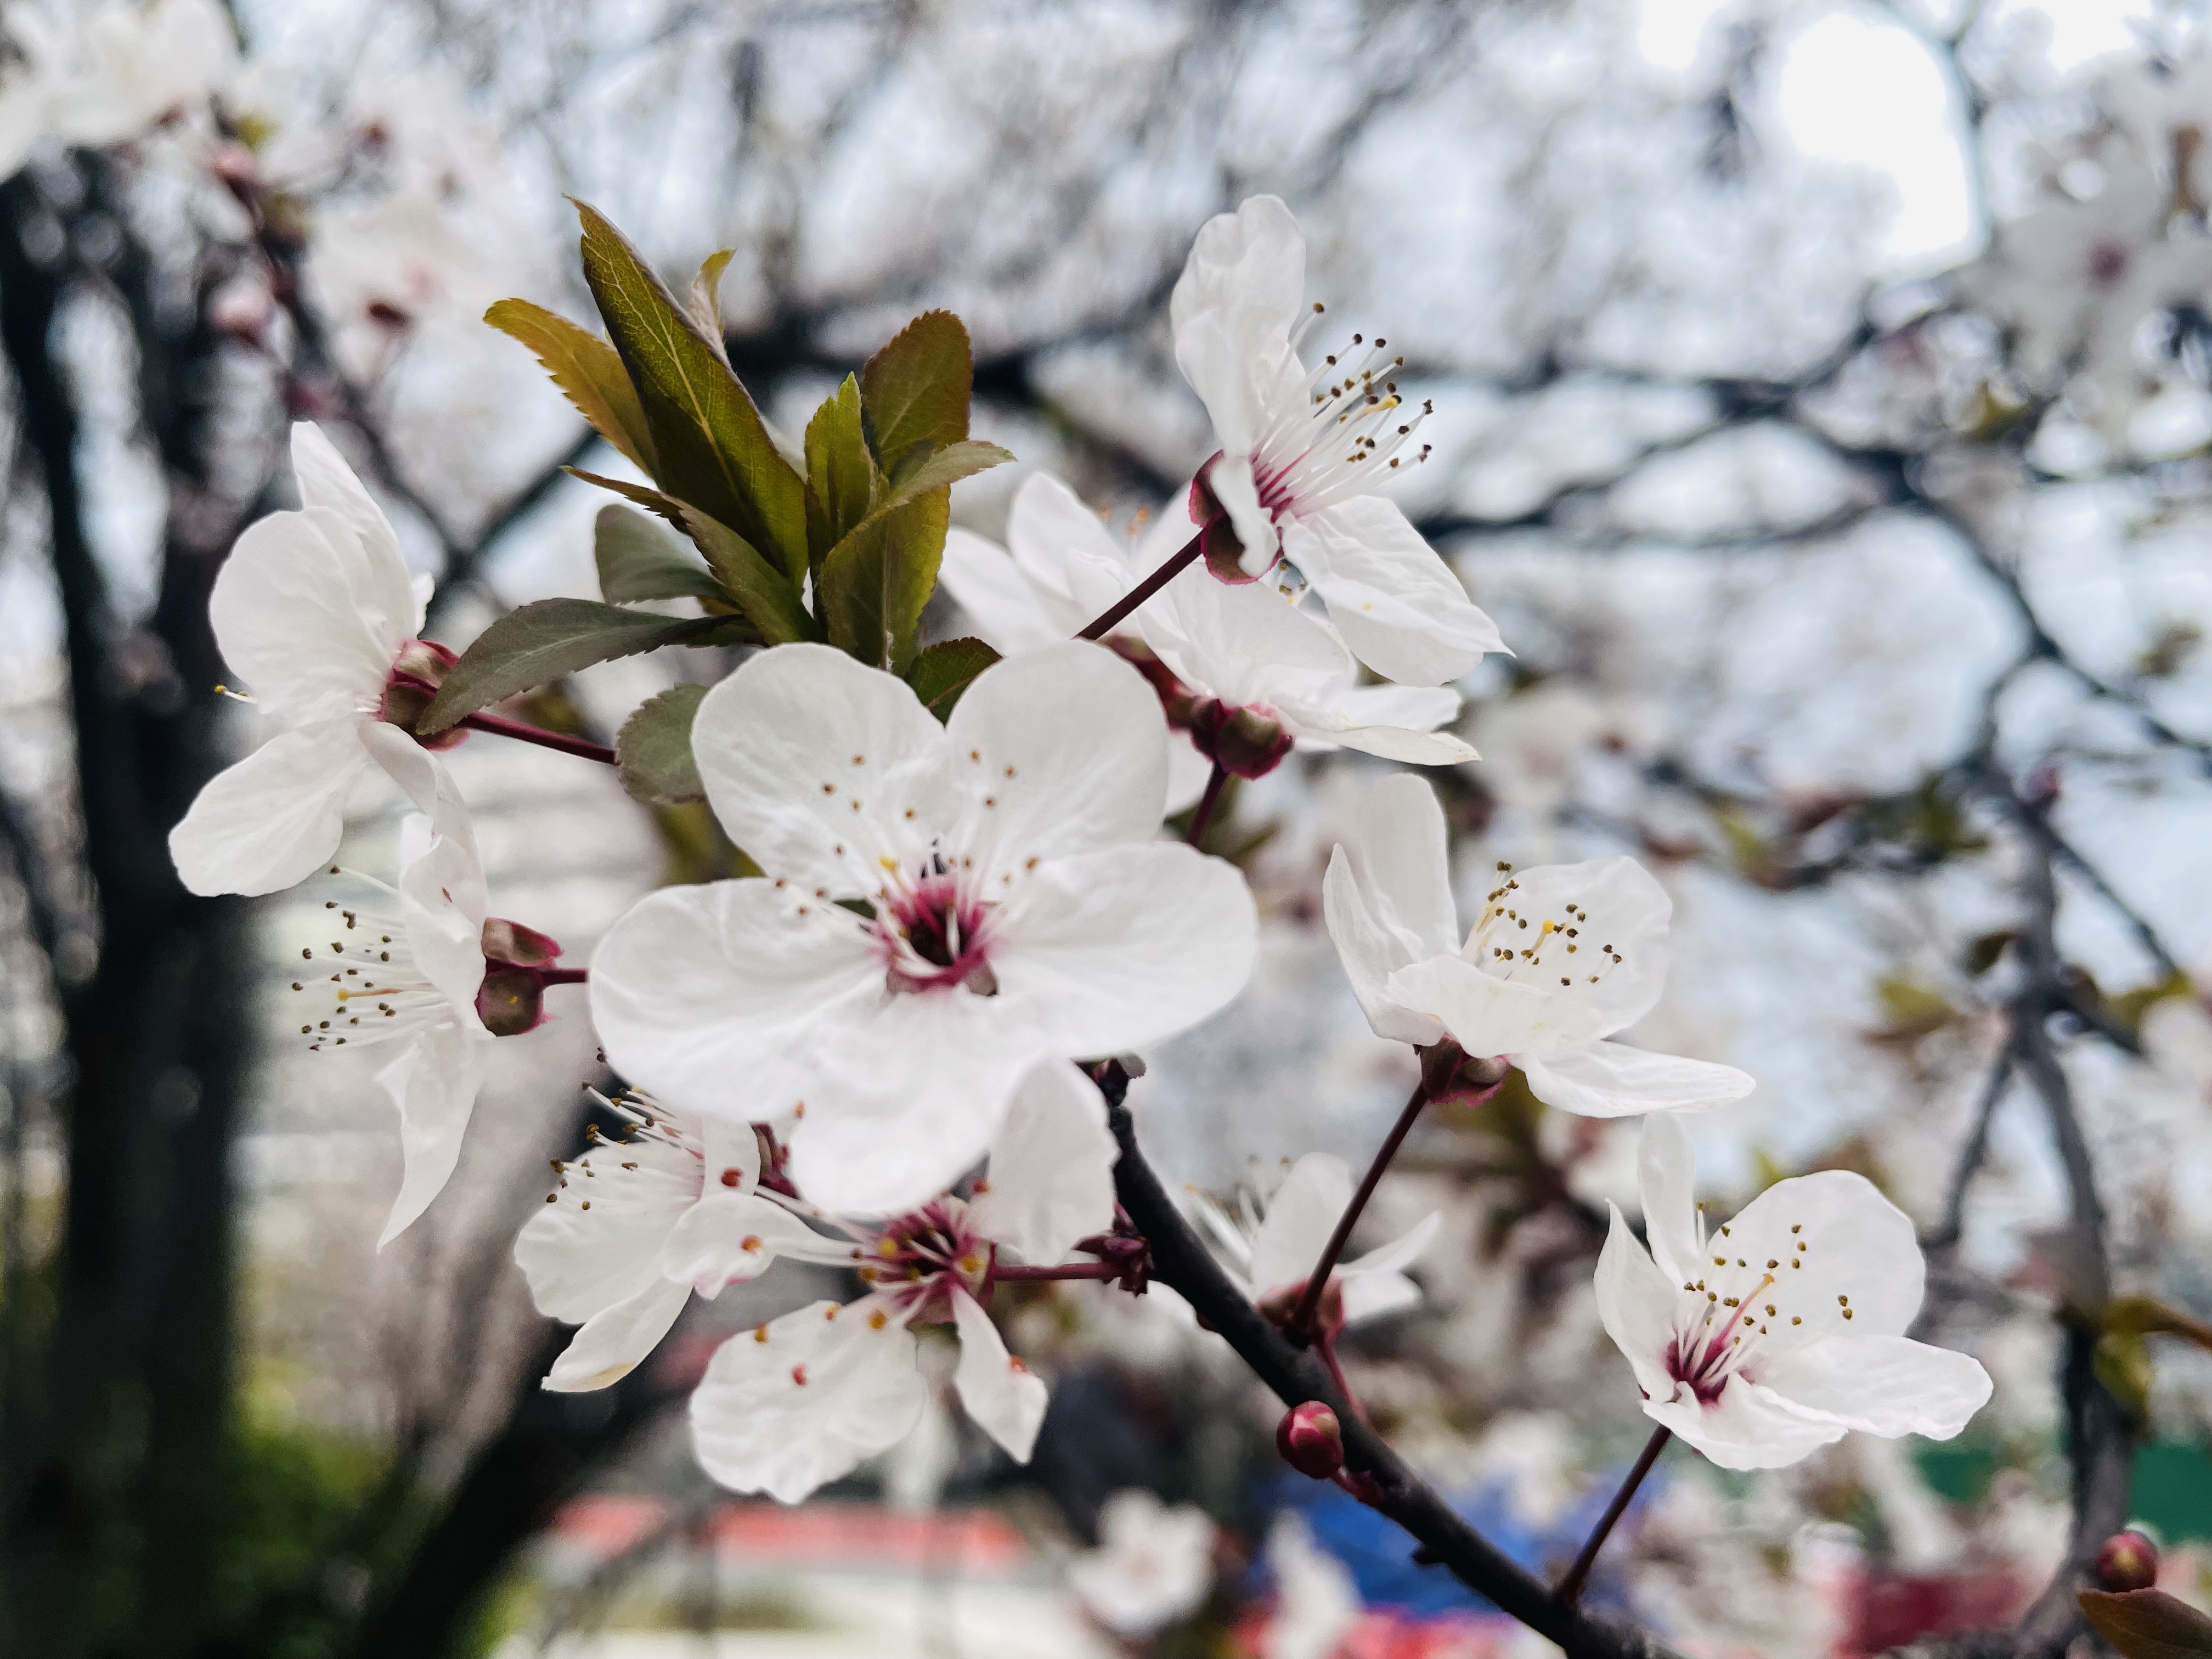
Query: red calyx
{"type": "Point", "coordinates": [1246, 741]}
{"type": "Point", "coordinates": [417, 670]}
{"type": "Point", "coordinates": [1311, 1440]}
{"type": "Point", "coordinates": [1223, 553]}
{"type": "Point", "coordinates": [519, 963]}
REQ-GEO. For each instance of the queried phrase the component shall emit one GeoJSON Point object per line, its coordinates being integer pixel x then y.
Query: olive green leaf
{"type": "Point", "coordinates": [940, 672]}
{"type": "Point", "coordinates": [637, 560]}
{"type": "Point", "coordinates": [843, 483]}
{"type": "Point", "coordinates": [2148, 1624]}
{"type": "Point", "coordinates": [770, 603]}
{"type": "Point", "coordinates": [914, 392]}
{"type": "Point", "coordinates": [539, 643]}
{"type": "Point", "coordinates": [653, 751]}
{"type": "Point", "coordinates": [584, 367]}
{"type": "Point", "coordinates": [875, 581]}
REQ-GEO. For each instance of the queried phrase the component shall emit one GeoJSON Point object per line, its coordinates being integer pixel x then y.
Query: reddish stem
{"type": "Point", "coordinates": [1570, 1587]}
{"type": "Point", "coordinates": [1301, 1322]}
{"type": "Point", "coordinates": [562, 975]}
{"type": "Point", "coordinates": [1013, 1275]}
{"type": "Point", "coordinates": [583, 748]}
{"type": "Point", "coordinates": [1326, 1347]}
{"type": "Point", "coordinates": [1207, 802]}
{"type": "Point", "coordinates": [1173, 564]}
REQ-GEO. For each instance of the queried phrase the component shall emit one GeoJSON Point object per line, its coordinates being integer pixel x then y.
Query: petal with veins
{"type": "Point", "coordinates": [433, 1083]}
{"type": "Point", "coordinates": [1398, 605]}
{"type": "Point", "coordinates": [301, 611]}
{"type": "Point", "coordinates": [1857, 1245]}
{"type": "Point", "coordinates": [1611, 1079]}
{"type": "Point", "coordinates": [1636, 1304]}
{"type": "Point", "coordinates": [1742, 1430]}
{"type": "Point", "coordinates": [273, 819]}
{"type": "Point", "coordinates": [1666, 1179]}
{"type": "Point", "coordinates": [442, 904]}
{"type": "Point", "coordinates": [614, 1340]}
{"type": "Point", "coordinates": [580, 1262]}
{"type": "Point", "coordinates": [1051, 1176]}
{"type": "Point", "coordinates": [1886, 1385]}
{"type": "Point", "coordinates": [800, 1401]}
{"type": "Point", "coordinates": [327, 482]}
{"type": "Point", "coordinates": [1004, 1397]}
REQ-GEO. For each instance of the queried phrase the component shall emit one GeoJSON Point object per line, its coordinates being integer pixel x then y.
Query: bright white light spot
{"type": "Point", "coordinates": [1852, 89]}
{"type": "Point", "coordinates": [1671, 30]}
{"type": "Point", "coordinates": [2076, 30]}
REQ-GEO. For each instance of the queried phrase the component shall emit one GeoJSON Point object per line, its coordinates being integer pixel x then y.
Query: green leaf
{"type": "Point", "coordinates": [2148, 1624]}
{"type": "Point", "coordinates": [770, 603]}
{"type": "Point", "coordinates": [539, 643]}
{"type": "Point", "coordinates": [914, 392]}
{"type": "Point", "coordinates": [842, 483]}
{"type": "Point", "coordinates": [660, 505]}
{"type": "Point", "coordinates": [705, 299]}
{"type": "Point", "coordinates": [587, 368]}
{"type": "Point", "coordinates": [653, 751]}
{"type": "Point", "coordinates": [876, 581]}
{"type": "Point", "coordinates": [941, 673]}
{"type": "Point", "coordinates": [637, 562]}
{"type": "Point", "coordinates": [2121, 1363]}
{"type": "Point", "coordinates": [710, 445]}
{"type": "Point", "coordinates": [944, 469]}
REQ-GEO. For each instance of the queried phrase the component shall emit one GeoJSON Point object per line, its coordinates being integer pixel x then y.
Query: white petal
{"type": "Point", "coordinates": [309, 617]}
{"type": "Point", "coordinates": [714, 997]}
{"type": "Point", "coordinates": [615, 1339]}
{"type": "Point", "coordinates": [1398, 605]}
{"type": "Point", "coordinates": [1244, 644]}
{"type": "Point", "coordinates": [801, 1400]}
{"type": "Point", "coordinates": [803, 751]}
{"type": "Point", "coordinates": [1238, 492]}
{"type": "Point", "coordinates": [727, 1237]}
{"type": "Point", "coordinates": [1051, 1179]}
{"type": "Point", "coordinates": [1057, 751]}
{"type": "Point", "coordinates": [1188, 773]}
{"type": "Point", "coordinates": [275, 818]}
{"type": "Point", "coordinates": [580, 1262]}
{"type": "Point", "coordinates": [1611, 1079]}
{"type": "Point", "coordinates": [1399, 853]}
{"type": "Point", "coordinates": [1398, 743]}
{"type": "Point", "coordinates": [1627, 913]}
{"type": "Point", "coordinates": [1009, 613]}
{"type": "Point", "coordinates": [1636, 1305]}
{"type": "Point", "coordinates": [1885, 1385]}
{"type": "Point", "coordinates": [325, 480]}
{"type": "Point", "coordinates": [1119, 949]}
{"type": "Point", "coordinates": [1370, 1296]}
{"type": "Point", "coordinates": [1400, 1252]}
{"type": "Point", "coordinates": [1489, 1015]}
{"type": "Point", "coordinates": [433, 1083]}
{"type": "Point", "coordinates": [1857, 1245]}
{"type": "Point", "coordinates": [1371, 952]}
{"type": "Point", "coordinates": [1002, 1395]}
{"type": "Point", "coordinates": [442, 905]}
{"type": "Point", "coordinates": [422, 776]}
{"type": "Point", "coordinates": [1240, 294]}
{"type": "Point", "coordinates": [1666, 1179]}
{"type": "Point", "coordinates": [1743, 1430]}
{"type": "Point", "coordinates": [1065, 550]}
{"type": "Point", "coordinates": [1300, 1218]}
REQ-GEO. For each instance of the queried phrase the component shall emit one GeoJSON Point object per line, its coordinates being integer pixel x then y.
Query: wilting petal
{"type": "Point", "coordinates": [819, 766]}
{"type": "Point", "coordinates": [1300, 1218]}
{"type": "Point", "coordinates": [309, 617]}
{"type": "Point", "coordinates": [433, 1083]}
{"type": "Point", "coordinates": [1741, 1430]}
{"type": "Point", "coordinates": [1051, 1176]}
{"type": "Point", "coordinates": [1121, 949]}
{"type": "Point", "coordinates": [1004, 1397]}
{"type": "Point", "coordinates": [580, 1262]}
{"type": "Point", "coordinates": [1885, 1385]}
{"type": "Point", "coordinates": [614, 1340]}
{"type": "Point", "coordinates": [275, 818]}
{"type": "Point", "coordinates": [801, 1400]}
{"type": "Point", "coordinates": [1611, 1079]}
{"type": "Point", "coordinates": [1398, 605]}
{"type": "Point", "coordinates": [1057, 752]}
{"type": "Point", "coordinates": [726, 1239]}
{"type": "Point", "coordinates": [1009, 612]}
{"type": "Point", "coordinates": [1636, 1305]}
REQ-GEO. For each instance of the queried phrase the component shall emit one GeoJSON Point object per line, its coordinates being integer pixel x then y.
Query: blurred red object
{"type": "Point", "coordinates": [826, 1534]}
{"type": "Point", "coordinates": [1887, 1609]}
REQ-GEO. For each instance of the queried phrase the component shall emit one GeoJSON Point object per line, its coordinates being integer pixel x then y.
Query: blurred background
{"type": "Point", "coordinates": [1821, 409]}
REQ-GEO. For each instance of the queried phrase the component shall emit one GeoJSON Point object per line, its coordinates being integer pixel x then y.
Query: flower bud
{"type": "Point", "coordinates": [2128, 1561]}
{"type": "Point", "coordinates": [511, 1001]}
{"type": "Point", "coordinates": [1247, 742]}
{"type": "Point", "coordinates": [1311, 1440]}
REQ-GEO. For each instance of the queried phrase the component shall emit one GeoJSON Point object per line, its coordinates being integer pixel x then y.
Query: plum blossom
{"type": "Point", "coordinates": [432, 972]}
{"type": "Point", "coordinates": [1153, 1565]}
{"type": "Point", "coordinates": [316, 609]}
{"type": "Point", "coordinates": [943, 907]}
{"type": "Point", "coordinates": [112, 72]}
{"type": "Point", "coordinates": [1317, 1603]}
{"type": "Point", "coordinates": [1301, 450]}
{"type": "Point", "coordinates": [1785, 1329]}
{"type": "Point", "coordinates": [1561, 957]}
{"type": "Point", "coordinates": [799, 1400]}
{"type": "Point", "coordinates": [1226, 651]}
{"type": "Point", "coordinates": [1273, 1248]}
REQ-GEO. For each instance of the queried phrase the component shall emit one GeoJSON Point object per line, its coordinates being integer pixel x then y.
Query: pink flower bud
{"type": "Point", "coordinates": [1311, 1440]}
{"type": "Point", "coordinates": [2129, 1561]}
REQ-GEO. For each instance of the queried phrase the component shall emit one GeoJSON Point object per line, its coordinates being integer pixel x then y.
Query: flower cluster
{"type": "Point", "coordinates": [873, 1048]}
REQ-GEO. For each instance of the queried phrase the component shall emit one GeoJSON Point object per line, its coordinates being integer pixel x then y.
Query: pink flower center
{"type": "Point", "coordinates": [935, 937]}
{"type": "Point", "coordinates": [1344, 440]}
{"type": "Point", "coordinates": [918, 1261]}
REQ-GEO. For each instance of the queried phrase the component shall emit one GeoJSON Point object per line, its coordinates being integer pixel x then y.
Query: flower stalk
{"type": "Point", "coordinates": [1204, 814]}
{"type": "Point", "coordinates": [583, 748]}
{"type": "Point", "coordinates": [1300, 1325]}
{"type": "Point", "coordinates": [1173, 566]}
{"type": "Point", "coordinates": [1570, 1587]}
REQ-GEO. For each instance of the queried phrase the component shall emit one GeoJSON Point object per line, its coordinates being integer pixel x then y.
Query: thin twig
{"type": "Point", "coordinates": [1169, 567]}
{"type": "Point", "coordinates": [1301, 1322]}
{"type": "Point", "coordinates": [1570, 1587]}
{"type": "Point", "coordinates": [583, 748]}
{"type": "Point", "coordinates": [1207, 802]}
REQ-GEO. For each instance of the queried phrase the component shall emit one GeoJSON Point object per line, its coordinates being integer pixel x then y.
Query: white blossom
{"type": "Point", "coordinates": [1246, 646]}
{"type": "Point", "coordinates": [113, 71]}
{"type": "Point", "coordinates": [313, 608]}
{"type": "Point", "coordinates": [1561, 958]}
{"type": "Point", "coordinates": [1784, 1329]}
{"type": "Point", "coordinates": [1274, 1247]}
{"type": "Point", "coordinates": [1153, 1565]}
{"type": "Point", "coordinates": [1317, 1603]}
{"type": "Point", "coordinates": [1302, 451]}
{"type": "Point", "coordinates": [943, 907]}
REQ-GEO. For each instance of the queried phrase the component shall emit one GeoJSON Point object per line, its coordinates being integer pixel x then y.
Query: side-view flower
{"type": "Point", "coordinates": [1302, 451]}
{"type": "Point", "coordinates": [942, 907]}
{"type": "Point", "coordinates": [1784, 1329]}
{"type": "Point", "coordinates": [1273, 1246]}
{"type": "Point", "coordinates": [1559, 959]}
{"type": "Point", "coordinates": [315, 608]}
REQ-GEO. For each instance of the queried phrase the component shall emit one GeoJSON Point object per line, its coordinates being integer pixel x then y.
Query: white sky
{"type": "Point", "coordinates": [1855, 86]}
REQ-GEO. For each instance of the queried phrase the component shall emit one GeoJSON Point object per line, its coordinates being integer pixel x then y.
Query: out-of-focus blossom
{"type": "Point", "coordinates": [1153, 1565]}
{"type": "Point", "coordinates": [115, 70]}
{"type": "Point", "coordinates": [1244, 647]}
{"type": "Point", "coordinates": [944, 907]}
{"type": "Point", "coordinates": [1315, 1600]}
{"type": "Point", "coordinates": [801, 1399]}
{"type": "Point", "coordinates": [1784, 1329]}
{"type": "Point", "coordinates": [1561, 958]}
{"type": "Point", "coordinates": [314, 609]}
{"type": "Point", "coordinates": [1274, 1247]}
{"type": "Point", "coordinates": [1302, 452]}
